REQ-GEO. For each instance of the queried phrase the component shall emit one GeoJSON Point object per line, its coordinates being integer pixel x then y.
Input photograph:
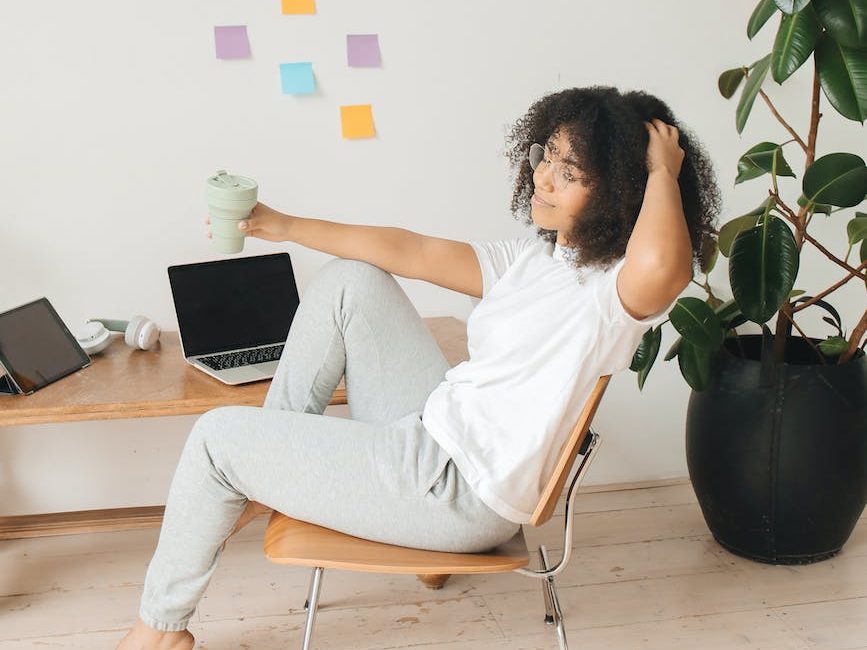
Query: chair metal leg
{"type": "Point", "coordinates": [553, 613]}
{"type": "Point", "coordinates": [311, 605]}
{"type": "Point", "coordinates": [309, 589]}
{"type": "Point", "coordinates": [558, 618]}
{"type": "Point", "coordinates": [546, 592]}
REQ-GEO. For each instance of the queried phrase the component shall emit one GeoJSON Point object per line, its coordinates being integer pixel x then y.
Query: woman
{"type": "Point", "coordinates": [439, 458]}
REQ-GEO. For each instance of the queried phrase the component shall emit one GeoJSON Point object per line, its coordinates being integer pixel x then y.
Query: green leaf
{"type": "Point", "coordinates": [751, 90]}
{"type": "Point", "coordinates": [843, 76]}
{"type": "Point", "coordinates": [672, 351]}
{"type": "Point", "coordinates": [696, 322]}
{"type": "Point", "coordinates": [646, 353]}
{"type": "Point", "coordinates": [833, 345]}
{"type": "Point", "coordinates": [730, 229]}
{"type": "Point", "coordinates": [830, 321]}
{"type": "Point", "coordinates": [727, 312]}
{"type": "Point", "coordinates": [795, 292]}
{"type": "Point", "coordinates": [763, 11]}
{"type": "Point", "coordinates": [828, 307]}
{"type": "Point", "coordinates": [729, 81]}
{"type": "Point", "coordinates": [639, 359]}
{"type": "Point", "coordinates": [762, 268]}
{"type": "Point", "coordinates": [845, 20]}
{"type": "Point", "coordinates": [760, 160]}
{"type": "Point", "coordinates": [796, 38]}
{"type": "Point", "coordinates": [838, 179]}
{"type": "Point", "coordinates": [862, 253]}
{"type": "Point", "coordinates": [696, 365]}
{"type": "Point", "coordinates": [708, 254]}
{"type": "Point", "coordinates": [729, 232]}
{"type": "Point", "coordinates": [856, 229]}
{"type": "Point", "coordinates": [791, 6]}
{"type": "Point", "coordinates": [822, 208]}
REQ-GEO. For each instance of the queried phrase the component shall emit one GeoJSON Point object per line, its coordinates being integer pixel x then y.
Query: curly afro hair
{"type": "Point", "coordinates": [608, 138]}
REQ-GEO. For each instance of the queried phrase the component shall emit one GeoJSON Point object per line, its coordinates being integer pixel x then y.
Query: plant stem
{"type": "Point", "coordinates": [740, 345]}
{"type": "Point", "coordinates": [783, 330]}
{"type": "Point", "coordinates": [833, 287]}
{"type": "Point", "coordinates": [857, 333]}
{"type": "Point", "coordinates": [804, 336]}
{"type": "Point", "coordinates": [834, 258]}
{"type": "Point", "coordinates": [801, 231]}
{"type": "Point", "coordinates": [707, 288]}
{"type": "Point", "coordinates": [815, 115]}
{"type": "Point", "coordinates": [785, 208]}
{"type": "Point", "coordinates": [795, 136]}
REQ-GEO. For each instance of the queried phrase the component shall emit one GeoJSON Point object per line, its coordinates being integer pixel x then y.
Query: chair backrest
{"type": "Point", "coordinates": [554, 487]}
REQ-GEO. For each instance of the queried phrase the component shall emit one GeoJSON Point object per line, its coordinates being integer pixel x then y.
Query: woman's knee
{"type": "Point", "coordinates": [344, 272]}
{"type": "Point", "coordinates": [214, 430]}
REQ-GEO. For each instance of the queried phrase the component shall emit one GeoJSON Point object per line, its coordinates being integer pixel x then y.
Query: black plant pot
{"type": "Point", "coordinates": [777, 453]}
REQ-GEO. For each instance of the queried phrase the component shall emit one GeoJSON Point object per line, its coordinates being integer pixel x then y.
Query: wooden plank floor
{"type": "Point", "coordinates": [646, 574]}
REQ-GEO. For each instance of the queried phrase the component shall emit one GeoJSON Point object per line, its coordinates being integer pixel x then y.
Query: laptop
{"type": "Point", "coordinates": [234, 315]}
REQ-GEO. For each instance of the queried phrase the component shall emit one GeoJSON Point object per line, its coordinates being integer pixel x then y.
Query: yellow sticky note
{"type": "Point", "coordinates": [299, 6]}
{"type": "Point", "coordinates": [357, 121]}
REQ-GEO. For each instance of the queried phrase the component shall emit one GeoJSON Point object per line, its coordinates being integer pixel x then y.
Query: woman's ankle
{"type": "Point", "coordinates": [144, 637]}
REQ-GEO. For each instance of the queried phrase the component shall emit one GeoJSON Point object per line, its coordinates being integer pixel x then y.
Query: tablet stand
{"type": "Point", "coordinates": [6, 387]}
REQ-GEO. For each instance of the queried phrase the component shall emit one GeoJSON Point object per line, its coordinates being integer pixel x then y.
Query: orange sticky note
{"type": "Point", "coordinates": [357, 121]}
{"type": "Point", "coordinates": [299, 6]}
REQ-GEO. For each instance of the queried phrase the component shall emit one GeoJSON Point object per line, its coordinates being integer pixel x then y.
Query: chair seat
{"type": "Point", "coordinates": [300, 543]}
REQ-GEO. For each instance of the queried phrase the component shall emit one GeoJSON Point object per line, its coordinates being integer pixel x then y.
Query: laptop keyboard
{"type": "Point", "coordinates": [243, 358]}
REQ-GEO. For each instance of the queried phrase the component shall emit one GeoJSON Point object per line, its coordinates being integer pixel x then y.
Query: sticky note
{"type": "Point", "coordinates": [362, 50]}
{"type": "Point", "coordinates": [297, 78]}
{"type": "Point", "coordinates": [232, 42]}
{"type": "Point", "coordinates": [299, 6]}
{"type": "Point", "coordinates": [357, 121]}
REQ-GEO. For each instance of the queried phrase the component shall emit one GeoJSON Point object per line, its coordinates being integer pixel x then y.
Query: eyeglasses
{"type": "Point", "coordinates": [563, 172]}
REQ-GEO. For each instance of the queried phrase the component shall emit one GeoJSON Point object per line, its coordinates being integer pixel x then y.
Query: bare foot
{"type": "Point", "coordinates": [143, 637]}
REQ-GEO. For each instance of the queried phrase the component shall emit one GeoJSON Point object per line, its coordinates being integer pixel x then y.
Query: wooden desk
{"type": "Point", "coordinates": [123, 383]}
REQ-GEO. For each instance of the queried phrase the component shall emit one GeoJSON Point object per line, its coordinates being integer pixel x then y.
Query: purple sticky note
{"type": "Point", "coordinates": [362, 50]}
{"type": "Point", "coordinates": [232, 42]}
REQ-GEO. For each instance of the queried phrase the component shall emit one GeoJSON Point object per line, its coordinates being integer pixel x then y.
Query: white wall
{"type": "Point", "coordinates": [114, 113]}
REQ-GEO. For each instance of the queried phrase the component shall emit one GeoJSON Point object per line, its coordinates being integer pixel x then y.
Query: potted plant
{"type": "Point", "coordinates": [776, 428]}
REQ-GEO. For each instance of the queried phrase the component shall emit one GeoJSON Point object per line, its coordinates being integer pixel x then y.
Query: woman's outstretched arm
{"type": "Point", "coordinates": [395, 250]}
{"type": "Point", "coordinates": [447, 263]}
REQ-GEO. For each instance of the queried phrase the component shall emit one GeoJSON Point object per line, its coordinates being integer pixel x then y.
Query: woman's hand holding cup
{"type": "Point", "coordinates": [263, 223]}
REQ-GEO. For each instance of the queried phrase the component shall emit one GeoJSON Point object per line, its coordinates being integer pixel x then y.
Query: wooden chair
{"type": "Point", "coordinates": [294, 542]}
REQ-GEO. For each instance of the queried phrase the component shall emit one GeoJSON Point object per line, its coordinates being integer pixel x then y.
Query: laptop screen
{"type": "Point", "coordinates": [232, 304]}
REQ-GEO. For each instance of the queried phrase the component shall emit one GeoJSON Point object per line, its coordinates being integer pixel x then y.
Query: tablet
{"type": "Point", "coordinates": [36, 347]}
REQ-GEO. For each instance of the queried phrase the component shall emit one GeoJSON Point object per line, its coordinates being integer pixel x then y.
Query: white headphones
{"type": "Point", "coordinates": [139, 332]}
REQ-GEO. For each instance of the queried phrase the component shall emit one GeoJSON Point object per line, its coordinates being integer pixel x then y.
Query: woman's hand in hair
{"type": "Point", "coordinates": [663, 150]}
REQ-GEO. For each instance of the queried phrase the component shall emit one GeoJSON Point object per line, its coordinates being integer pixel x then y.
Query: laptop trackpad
{"type": "Point", "coordinates": [255, 372]}
{"type": "Point", "coordinates": [266, 369]}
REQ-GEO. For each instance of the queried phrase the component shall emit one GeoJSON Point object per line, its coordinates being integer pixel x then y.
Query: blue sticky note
{"type": "Point", "coordinates": [297, 78]}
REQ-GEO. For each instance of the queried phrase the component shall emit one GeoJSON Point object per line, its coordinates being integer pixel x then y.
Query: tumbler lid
{"type": "Point", "coordinates": [230, 186]}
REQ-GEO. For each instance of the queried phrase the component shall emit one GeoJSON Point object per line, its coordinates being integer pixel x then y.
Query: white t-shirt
{"type": "Point", "coordinates": [538, 341]}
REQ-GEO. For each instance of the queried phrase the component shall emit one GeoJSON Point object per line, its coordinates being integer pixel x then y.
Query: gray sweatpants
{"type": "Point", "coordinates": [378, 476]}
